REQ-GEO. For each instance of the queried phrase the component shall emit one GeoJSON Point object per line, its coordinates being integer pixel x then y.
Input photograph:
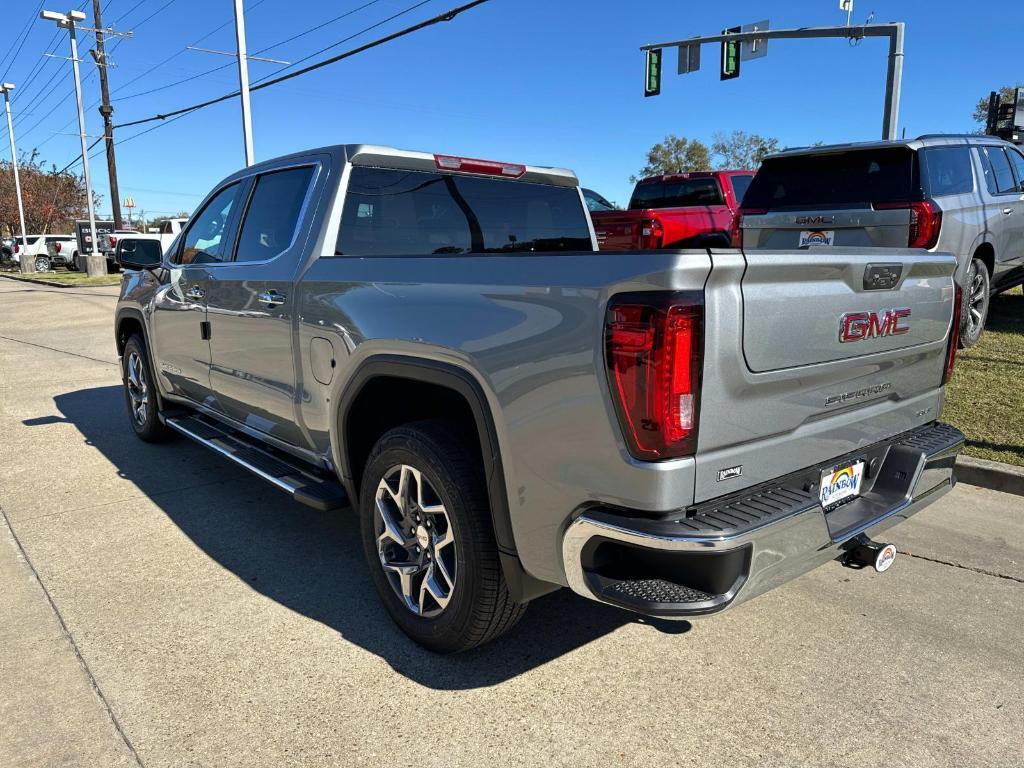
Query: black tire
{"type": "Point", "coordinates": [72, 264]}
{"type": "Point", "coordinates": [479, 607]}
{"type": "Point", "coordinates": [977, 295]}
{"type": "Point", "coordinates": [142, 414]}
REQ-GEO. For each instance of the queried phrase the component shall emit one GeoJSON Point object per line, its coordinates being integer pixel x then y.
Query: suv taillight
{"type": "Point", "coordinates": [655, 352]}
{"type": "Point", "coordinates": [954, 334]}
{"type": "Point", "coordinates": [925, 222]}
{"type": "Point", "coordinates": [652, 234]}
{"type": "Point", "coordinates": [736, 230]}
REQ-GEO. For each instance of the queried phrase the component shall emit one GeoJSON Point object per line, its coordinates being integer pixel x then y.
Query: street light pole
{"type": "Point", "coordinates": [27, 264]}
{"type": "Point", "coordinates": [243, 82]}
{"type": "Point", "coordinates": [96, 262]}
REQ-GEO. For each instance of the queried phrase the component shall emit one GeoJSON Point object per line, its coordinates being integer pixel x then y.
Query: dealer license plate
{"type": "Point", "coordinates": [840, 484]}
{"type": "Point", "coordinates": [809, 237]}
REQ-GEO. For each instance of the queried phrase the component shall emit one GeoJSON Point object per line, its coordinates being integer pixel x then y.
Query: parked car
{"type": "Point", "coordinates": [957, 194]}
{"type": "Point", "coordinates": [6, 248]}
{"type": "Point", "coordinates": [62, 250]}
{"type": "Point", "coordinates": [434, 341]}
{"type": "Point", "coordinates": [680, 210]}
{"type": "Point", "coordinates": [596, 202]}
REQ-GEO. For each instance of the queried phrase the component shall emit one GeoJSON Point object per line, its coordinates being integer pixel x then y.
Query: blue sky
{"type": "Point", "coordinates": [550, 82]}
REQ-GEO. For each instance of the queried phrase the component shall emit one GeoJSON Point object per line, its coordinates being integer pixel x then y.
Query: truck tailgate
{"type": "Point", "coordinates": [619, 230]}
{"type": "Point", "coordinates": [793, 302]}
{"type": "Point", "coordinates": [782, 391]}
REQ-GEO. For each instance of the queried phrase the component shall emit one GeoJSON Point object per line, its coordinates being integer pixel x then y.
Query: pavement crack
{"type": "Point", "coordinates": [950, 563]}
{"type": "Point", "coordinates": [71, 640]}
{"type": "Point", "coordinates": [61, 351]}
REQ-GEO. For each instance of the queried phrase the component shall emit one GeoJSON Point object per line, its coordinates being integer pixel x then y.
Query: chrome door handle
{"type": "Point", "coordinates": [1007, 211]}
{"type": "Point", "coordinates": [271, 298]}
{"type": "Point", "coordinates": [195, 292]}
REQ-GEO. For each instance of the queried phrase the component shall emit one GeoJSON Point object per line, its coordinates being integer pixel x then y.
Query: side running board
{"type": "Point", "coordinates": [299, 480]}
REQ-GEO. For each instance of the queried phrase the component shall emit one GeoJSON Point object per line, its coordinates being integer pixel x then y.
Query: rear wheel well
{"type": "Point", "coordinates": [386, 402]}
{"type": "Point", "coordinates": [986, 253]}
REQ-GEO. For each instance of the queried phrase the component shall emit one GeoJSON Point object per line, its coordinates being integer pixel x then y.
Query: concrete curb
{"type": "Point", "coordinates": [990, 474]}
{"type": "Point", "coordinates": [51, 284]}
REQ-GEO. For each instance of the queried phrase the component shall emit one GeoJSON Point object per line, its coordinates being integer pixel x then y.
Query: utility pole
{"type": "Point", "coordinates": [96, 262]}
{"type": "Point", "coordinates": [100, 57]}
{"type": "Point", "coordinates": [27, 265]}
{"type": "Point", "coordinates": [243, 81]}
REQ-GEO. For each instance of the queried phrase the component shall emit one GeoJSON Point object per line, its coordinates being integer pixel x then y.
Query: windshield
{"type": "Point", "coordinates": [842, 179]}
{"type": "Point", "coordinates": [677, 193]}
{"type": "Point", "coordinates": [416, 213]}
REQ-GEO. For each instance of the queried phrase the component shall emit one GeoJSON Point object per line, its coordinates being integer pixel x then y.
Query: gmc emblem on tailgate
{"type": "Point", "coordinates": [857, 326]}
{"type": "Point", "coordinates": [814, 220]}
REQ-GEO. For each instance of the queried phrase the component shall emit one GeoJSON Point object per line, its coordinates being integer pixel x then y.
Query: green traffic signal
{"type": "Point", "coordinates": [730, 55]}
{"type": "Point", "coordinates": [652, 74]}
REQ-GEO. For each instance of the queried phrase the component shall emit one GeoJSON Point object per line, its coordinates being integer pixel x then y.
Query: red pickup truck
{"type": "Point", "coordinates": [679, 210]}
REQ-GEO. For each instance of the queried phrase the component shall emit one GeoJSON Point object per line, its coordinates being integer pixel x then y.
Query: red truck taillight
{"type": "Point", "coordinates": [56, 247]}
{"type": "Point", "coordinates": [652, 234]}
{"type": "Point", "coordinates": [954, 334]}
{"type": "Point", "coordinates": [925, 222]}
{"type": "Point", "coordinates": [655, 352]}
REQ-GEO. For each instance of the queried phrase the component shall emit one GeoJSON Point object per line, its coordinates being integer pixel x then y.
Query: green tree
{"type": "Point", "coordinates": [741, 150]}
{"type": "Point", "coordinates": [53, 199]}
{"type": "Point", "coordinates": [674, 155]}
{"type": "Point", "coordinates": [981, 108]}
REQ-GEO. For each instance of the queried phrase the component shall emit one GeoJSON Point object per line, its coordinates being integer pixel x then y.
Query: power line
{"type": "Point", "coordinates": [446, 16]}
{"type": "Point", "coordinates": [175, 55]}
{"type": "Point", "coordinates": [222, 67]}
{"type": "Point", "coordinates": [24, 36]}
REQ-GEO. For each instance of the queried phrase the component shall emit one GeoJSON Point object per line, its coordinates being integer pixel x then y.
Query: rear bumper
{"type": "Point", "coordinates": [718, 554]}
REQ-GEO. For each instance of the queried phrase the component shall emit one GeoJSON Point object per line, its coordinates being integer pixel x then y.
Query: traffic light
{"type": "Point", "coordinates": [730, 55]}
{"type": "Point", "coordinates": [652, 74]}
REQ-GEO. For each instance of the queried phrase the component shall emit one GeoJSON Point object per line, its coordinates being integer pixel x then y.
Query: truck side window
{"type": "Point", "coordinates": [947, 170]}
{"type": "Point", "coordinates": [1018, 166]}
{"type": "Point", "coordinates": [204, 243]}
{"type": "Point", "coordinates": [273, 213]}
{"type": "Point", "coordinates": [999, 176]}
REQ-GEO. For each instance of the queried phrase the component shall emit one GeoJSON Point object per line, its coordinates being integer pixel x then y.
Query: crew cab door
{"type": "Point", "coordinates": [178, 326]}
{"type": "Point", "coordinates": [251, 304]}
{"type": "Point", "coordinates": [1004, 209]}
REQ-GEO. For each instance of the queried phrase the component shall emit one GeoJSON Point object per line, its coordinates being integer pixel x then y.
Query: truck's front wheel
{"type": "Point", "coordinates": [139, 393]}
{"type": "Point", "coordinates": [428, 539]}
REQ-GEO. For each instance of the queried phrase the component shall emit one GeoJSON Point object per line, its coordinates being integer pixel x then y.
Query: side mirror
{"type": "Point", "coordinates": [139, 254]}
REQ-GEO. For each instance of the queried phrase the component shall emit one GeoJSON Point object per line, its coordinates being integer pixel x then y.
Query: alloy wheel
{"type": "Point", "coordinates": [415, 540]}
{"type": "Point", "coordinates": [42, 264]}
{"type": "Point", "coordinates": [138, 391]}
{"type": "Point", "coordinates": [976, 299]}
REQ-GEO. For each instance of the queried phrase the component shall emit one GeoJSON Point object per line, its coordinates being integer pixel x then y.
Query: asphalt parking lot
{"type": "Point", "coordinates": [162, 608]}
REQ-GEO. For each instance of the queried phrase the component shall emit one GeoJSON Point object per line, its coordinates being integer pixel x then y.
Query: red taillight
{"type": "Point", "coordinates": [652, 234]}
{"type": "Point", "coordinates": [56, 247]}
{"type": "Point", "coordinates": [17, 247]}
{"type": "Point", "coordinates": [472, 165]}
{"type": "Point", "coordinates": [925, 222]}
{"type": "Point", "coordinates": [654, 355]}
{"type": "Point", "coordinates": [112, 239]}
{"type": "Point", "coordinates": [954, 334]}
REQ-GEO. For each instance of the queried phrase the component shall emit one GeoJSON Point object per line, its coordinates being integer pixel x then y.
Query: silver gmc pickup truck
{"type": "Point", "coordinates": [435, 342]}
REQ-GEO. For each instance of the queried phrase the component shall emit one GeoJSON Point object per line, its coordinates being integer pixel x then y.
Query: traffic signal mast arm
{"type": "Point", "coordinates": [891, 30]}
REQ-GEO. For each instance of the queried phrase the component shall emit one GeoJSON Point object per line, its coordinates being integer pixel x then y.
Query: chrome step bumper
{"type": "Point", "coordinates": [717, 554]}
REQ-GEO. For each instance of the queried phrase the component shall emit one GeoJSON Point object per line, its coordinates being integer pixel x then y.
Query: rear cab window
{"type": "Point", "coordinates": [677, 193]}
{"type": "Point", "coordinates": [391, 212]}
{"type": "Point", "coordinates": [853, 179]}
{"type": "Point", "coordinates": [947, 170]}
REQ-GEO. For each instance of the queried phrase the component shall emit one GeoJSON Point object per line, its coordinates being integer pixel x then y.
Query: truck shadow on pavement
{"type": "Point", "coordinates": [312, 562]}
